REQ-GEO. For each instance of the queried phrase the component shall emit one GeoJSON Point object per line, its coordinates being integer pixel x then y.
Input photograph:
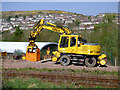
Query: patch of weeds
{"type": "Point", "coordinates": [57, 69]}
{"type": "Point", "coordinates": [63, 69]}
{"type": "Point", "coordinates": [19, 82]}
{"type": "Point", "coordinates": [81, 86]}
{"type": "Point", "coordinates": [50, 70]}
{"type": "Point", "coordinates": [77, 70]}
{"type": "Point", "coordinates": [98, 87]}
{"type": "Point", "coordinates": [77, 85]}
{"type": "Point", "coordinates": [104, 72]}
{"type": "Point", "coordinates": [96, 71]}
{"type": "Point", "coordinates": [84, 70]}
{"type": "Point", "coordinates": [70, 70]}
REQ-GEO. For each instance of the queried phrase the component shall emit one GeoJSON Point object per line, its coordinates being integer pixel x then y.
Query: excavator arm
{"type": "Point", "coordinates": [49, 26]}
{"type": "Point", "coordinates": [45, 25]}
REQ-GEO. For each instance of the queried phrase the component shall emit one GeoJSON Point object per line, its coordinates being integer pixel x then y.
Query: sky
{"type": "Point", "coordinates": [86, 8]}
{"type": "Point", "coordinates": [60, 0]}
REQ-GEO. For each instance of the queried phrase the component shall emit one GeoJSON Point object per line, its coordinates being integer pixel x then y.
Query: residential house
{"type": "Point", "coordinates": [68, 21]}
{"type": "Point", "coordinates": [51, 20]}
{"type": "Point", "coordinates": [28, 18]}
{"type": "Point", "coordinates": [79, 28]}
{"type": "Point", "coordinates": [101, 15]}
{"type": "Point", "coordinates": [5, 28]}
{"type": "Point", "coordinates": [30, 27]}
{"type": "Point", "coordinates": [48, 18]}
{"type": "Point", "coordinates": [12, 30]}
{"type": "Point", "coordinates": [3, 20]}
{"type": "Point", "coordinates": [23, 21]}
{"type": "Point", "coordinates": [35, 20]}
{"type": "Point", "coordinates": [83, 27]}
{"type": "Point", "coordinates": [96, 22]}
{"type": "Point", "coordinates": [31, 24]}
{"type": "Point", "coordinates": [86, 23]}
{"type": "Point", "coordinates": [89, 27]}
{"type": "Point", "coordinates": [20, 18]}
{"type": "Point", "coordinates": [5, 23]}
{"type": "Point", "coordinates": [12, 19]}
{"type": "Point", "coordinates": [38, 18]}
{"type": "Point", "coordinates": [16, 23]}
{"type": "Point", "coordinates": [26, 27]}
{"type": "Point", "coordinates": [22, 27]}
{"type": "Point", "coordinates": [10, 27]}
{"type": "Point", "coordinates": [81, 18]}
{"type": "Point", "coordinates": [35, 16]}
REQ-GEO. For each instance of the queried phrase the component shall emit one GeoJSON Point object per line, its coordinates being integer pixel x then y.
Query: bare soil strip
{"type": "Point", "coordinates": [52, 65]}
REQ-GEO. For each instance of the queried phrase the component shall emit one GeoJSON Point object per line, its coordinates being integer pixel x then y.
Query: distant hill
{"type": "Point", "coordinates": [36, 12]}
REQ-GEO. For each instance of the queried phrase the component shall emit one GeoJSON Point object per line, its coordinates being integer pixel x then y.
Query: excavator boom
{"type": "Point", "coordinates": [37, 29]}
{"type": "Point", "coordinates": [49, 26]}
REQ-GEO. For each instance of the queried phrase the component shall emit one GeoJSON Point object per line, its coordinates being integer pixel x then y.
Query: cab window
{"type": "Point", "coordinates": [64, 42]}
{"type": "Point", "coordinates": [73, 41]}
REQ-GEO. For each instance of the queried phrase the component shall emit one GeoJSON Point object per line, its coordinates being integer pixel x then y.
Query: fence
{"type": "Point", "coordinates": [111, 60]}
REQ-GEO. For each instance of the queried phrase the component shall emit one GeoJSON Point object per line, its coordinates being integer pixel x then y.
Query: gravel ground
{"type": "Point", "coordinates": [52, 65]}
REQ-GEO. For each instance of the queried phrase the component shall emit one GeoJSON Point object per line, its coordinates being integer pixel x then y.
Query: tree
{"type": "Point", "coordinates": [77, 22]}
{"type": "Point", "coordinates": [108, 18]}
{"type": "Point", "coordinates": [18, 34]}
{"type": "Point", "coordinates": [8, 18]}
{"type": "Point", "coordinates": [16, 16]}
{"type": "Point", "coordinates": [89, 18]}
{"type": "Point", "coordinates": [30, 15]}
{"type": "Point", "coordinates": [24, 16]}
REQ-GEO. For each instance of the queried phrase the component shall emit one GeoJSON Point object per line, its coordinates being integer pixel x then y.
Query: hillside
{"type": "Point", "coordinates": [36, 12]}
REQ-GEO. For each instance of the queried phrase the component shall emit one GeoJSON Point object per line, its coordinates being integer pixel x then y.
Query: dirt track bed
{"type": "Point", "coordinates": [11, 69]}
{"type": "Point", "coordinates": [27, 64]}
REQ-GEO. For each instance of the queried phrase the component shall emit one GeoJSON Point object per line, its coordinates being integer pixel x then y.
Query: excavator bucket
{"type": "Point", "coordinates": [33, 56]}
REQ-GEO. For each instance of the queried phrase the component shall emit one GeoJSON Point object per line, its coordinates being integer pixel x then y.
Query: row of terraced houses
{"type": "Point", "coordinates": [29, 21]}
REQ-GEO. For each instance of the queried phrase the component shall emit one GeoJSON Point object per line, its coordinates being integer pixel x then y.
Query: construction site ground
{"type": "Point", "coordinates": [54, 72]}
{"type": "Point", "coordinates": [49, 64]}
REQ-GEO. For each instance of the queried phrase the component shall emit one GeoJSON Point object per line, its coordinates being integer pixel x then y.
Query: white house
{"type": "Point", "coordinates": [20, 19]}
{"type": "Point", "coordinates": [68, 21]}
{"type": "Point", "coordinates": [90, 27]}
{"type": "Point", "coordinates": [86, 23]}
{"type": "Point", "coordinates": [5, 28]}
{"type": "Point", "coordinates": [95, 22]}
{"type": "Point", "coordinates": [12, 19]}
{"type": "Point", "coordinates": [101, 15]}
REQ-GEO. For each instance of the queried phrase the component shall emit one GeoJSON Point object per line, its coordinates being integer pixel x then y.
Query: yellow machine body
{"type": "Point", "coordinates": [77, 48]}
{"type": "Point", "coordinates": [70, 47]}
{"type": "Point", "coordinates": [102, 59]}
{"type": "Point", "coordinates": [4, 53]}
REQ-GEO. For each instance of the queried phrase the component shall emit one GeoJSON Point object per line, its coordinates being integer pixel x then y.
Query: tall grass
{"type": "Point", "coordinates": [19, 82]}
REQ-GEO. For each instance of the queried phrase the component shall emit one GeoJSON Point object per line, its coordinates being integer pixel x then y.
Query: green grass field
{"type": "Point", "coordinates": [19, 82]}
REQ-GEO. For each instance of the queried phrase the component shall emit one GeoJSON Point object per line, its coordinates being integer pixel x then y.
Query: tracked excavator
{"type": "Point", "coordinates": [71, 48]}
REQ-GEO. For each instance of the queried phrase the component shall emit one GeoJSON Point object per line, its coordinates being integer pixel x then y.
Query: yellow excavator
{"type": "Point", "coordinates": [71, 48]}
